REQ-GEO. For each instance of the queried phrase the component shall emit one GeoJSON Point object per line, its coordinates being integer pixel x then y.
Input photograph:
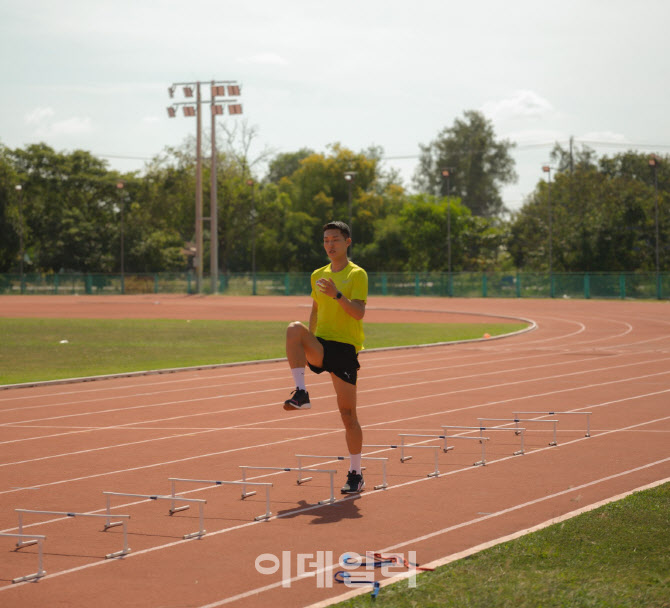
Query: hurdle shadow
{"type": "Point", "coordinates": [343, 509]}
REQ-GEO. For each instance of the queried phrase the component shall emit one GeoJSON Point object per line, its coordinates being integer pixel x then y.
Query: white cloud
{"type": "Point", "coordinates": [604, 137]}
{"type": "Point", "coordinates": [38, 115]}
{"type": "Point", "coordinates": [69, 126]}
{"type": "Point", "coordinates": [522, 104]}
{"type": "Point", "coordinates": [264, 59]}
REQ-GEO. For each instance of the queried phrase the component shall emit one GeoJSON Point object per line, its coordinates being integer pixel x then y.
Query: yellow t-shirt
{"type": "Point", "coordinates": [333, 323]}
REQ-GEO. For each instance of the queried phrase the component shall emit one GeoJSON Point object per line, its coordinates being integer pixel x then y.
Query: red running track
{"type": "Point", "coordinates": [63, 445]}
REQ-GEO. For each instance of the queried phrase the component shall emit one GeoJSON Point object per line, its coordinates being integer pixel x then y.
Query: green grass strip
{"type": "Point", "coordinates": [615, 556]}
{"type": "Point", "coordinates": [47, 349]}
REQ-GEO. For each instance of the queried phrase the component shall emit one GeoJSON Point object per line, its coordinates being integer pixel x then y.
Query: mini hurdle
{"type": "Point", "coordinates": [301, 479]}
{"type": "Point", "coordinates": [517, 431]}
{"type": "Point", "coordinates": [123, 523]}
{"type": "Point", "coordinates": [215, 482]}
{"type": "Point", "coordinates": [517, 428]}
{"type": "Point", "coordinates": [404, 458]}
{"type": "Point", "coordinates": [246, 468]}
{"type": "Point", "coordinates": [587, 414]}
{"type": "Point", "coordinates": [199, 534]}
{"type": "Point", "coordinates": [35, 538]}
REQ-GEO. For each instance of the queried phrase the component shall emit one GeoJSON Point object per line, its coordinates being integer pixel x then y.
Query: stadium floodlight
{"type": "Point", "coordinates": [193, 108]}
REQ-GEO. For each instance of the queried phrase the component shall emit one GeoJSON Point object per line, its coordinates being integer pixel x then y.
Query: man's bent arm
{"type": "Point", "coordinates": [354, 308]}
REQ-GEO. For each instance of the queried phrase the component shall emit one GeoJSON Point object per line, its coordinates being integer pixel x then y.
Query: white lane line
{"type": "Point", "coordinates": [397, 386]}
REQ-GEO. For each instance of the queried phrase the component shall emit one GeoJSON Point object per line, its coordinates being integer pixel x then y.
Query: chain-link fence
{"type": "Point", "coordinates": [438, 284]}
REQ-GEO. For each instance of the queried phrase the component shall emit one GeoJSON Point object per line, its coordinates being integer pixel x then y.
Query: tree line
{"type": "Point", "coordinates": [68, 212]}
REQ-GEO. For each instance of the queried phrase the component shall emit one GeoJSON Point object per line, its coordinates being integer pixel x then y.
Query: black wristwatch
{"type": "Point", "coordinates": [338, 295]}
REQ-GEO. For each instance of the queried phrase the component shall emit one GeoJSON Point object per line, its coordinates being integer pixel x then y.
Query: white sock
{"type": "Point", "coordinates": [355, 463]}
{"type": "Point", "coordinates": [299, 377]}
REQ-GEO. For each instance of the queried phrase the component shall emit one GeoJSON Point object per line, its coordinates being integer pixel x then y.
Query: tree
{"type": "Point", "coordinates": [286, 164]}
{"type": "Point", "coordinates": [479, 164]}
{"type": "Point", "coordinates": [603, 217]}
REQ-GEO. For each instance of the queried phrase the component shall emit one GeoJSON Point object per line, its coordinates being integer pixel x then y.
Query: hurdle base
{"type": "Point", "coordinates": [479, 463]}
{"type": "Point", "coordinates": [247, 494]}
{"type": "Point", "coordinates": [447, 449]}
{"type": "Point", "coordinates": [587, 434]}
{"type": "Point", "coordinates": [118, 554]}
{"type": "Point", "coordinates": [405, 458]}
{"type": "Point", "coordinates": [518, 453]}
{"type": "Point", "coordinates": [265, 517]}
{"type": "Point", "coordinates": [433, 474]}
{"type": "Point", "coordinates": [327, 501]}
{"type": "Point", "coordinates": [112, 524]}
{"type": "Point", "coordinates": [553, 444]}
{"type": "Point", "coordinates": [198, 534]}
{"type": "Point", "coordinates": [303, 480]}
{"type": "Point", "coordinates": [178, 509]}
{"type": "Point", "coordinates": [29, 577]}
{"type": "Point", "coordinates": [381, 486]}
{"type": "Point", "coordinates": [25, 543]}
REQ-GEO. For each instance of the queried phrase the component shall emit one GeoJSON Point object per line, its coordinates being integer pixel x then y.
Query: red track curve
{"type": "Point", "coordinates": [63, 445]}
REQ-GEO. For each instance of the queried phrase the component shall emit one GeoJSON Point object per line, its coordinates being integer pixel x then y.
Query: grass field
{"type": "Point", "coordinates": [47, 349]}
{"type": "Point", "coordinates": [616, 556]}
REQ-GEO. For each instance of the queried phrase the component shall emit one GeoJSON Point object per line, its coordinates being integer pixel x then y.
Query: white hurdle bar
{"type": "Point", "coordinates": [245, 468]}
{"type": "Point", "coordinates": [587, 414]}
{"type": "Point", "coordinates": [403, 458]}
{"type": "Point", "coordinates": [482, 441]}
{"type": "Point", "coordinates": [517, 431]}
{"type": "Point", "coordinates": [201, 502]}
{"type": "Point", "coordinates": [36, 538]}
{"type": "Point", "coordinates": [301, 479]}
{"type": "Point", "coordinates": [517, 428]}
{"type": "Point", "coordinates": [215, 482]}
{"type": "Point", "coordinates": [123, 523]}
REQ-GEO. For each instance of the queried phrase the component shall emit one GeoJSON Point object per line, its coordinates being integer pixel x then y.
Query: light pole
{"type": "Point", "coordinates": [119, 186]}
{"type": "Point", "coordinates": [446, 175]}
{"type": "Point", "coordinates": [19, 189]}
{"type": "Point", "coordinates": [349, 177]}
{"type": "Point", "coordinates": [653, 163]}
{"type": "Point", "coordinates": [547, 169]}
{"type": "Point", "coordinates": [218, 88]}
{"type": "Point", "coordinates": [250, 183]}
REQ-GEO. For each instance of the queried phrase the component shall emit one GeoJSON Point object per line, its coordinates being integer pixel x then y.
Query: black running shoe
{"type": "Point", "coordinates": [298, 401]}
{"type": "Point", "coordinates": [355, 483]}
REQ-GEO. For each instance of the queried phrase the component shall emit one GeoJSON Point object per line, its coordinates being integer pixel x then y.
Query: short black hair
{"type": "Point", "coordinates": [337, 225]}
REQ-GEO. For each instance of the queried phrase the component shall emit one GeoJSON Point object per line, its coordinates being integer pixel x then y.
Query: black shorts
{"type": "Point", "coordinates": [340, 359]}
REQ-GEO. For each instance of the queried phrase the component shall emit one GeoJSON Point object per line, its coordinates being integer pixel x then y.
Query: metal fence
{"type": "Point", "coordinates": [438, 284]}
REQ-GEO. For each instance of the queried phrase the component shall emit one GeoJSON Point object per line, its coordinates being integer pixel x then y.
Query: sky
{"type": "Point", "coordinates": [94, 75]}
